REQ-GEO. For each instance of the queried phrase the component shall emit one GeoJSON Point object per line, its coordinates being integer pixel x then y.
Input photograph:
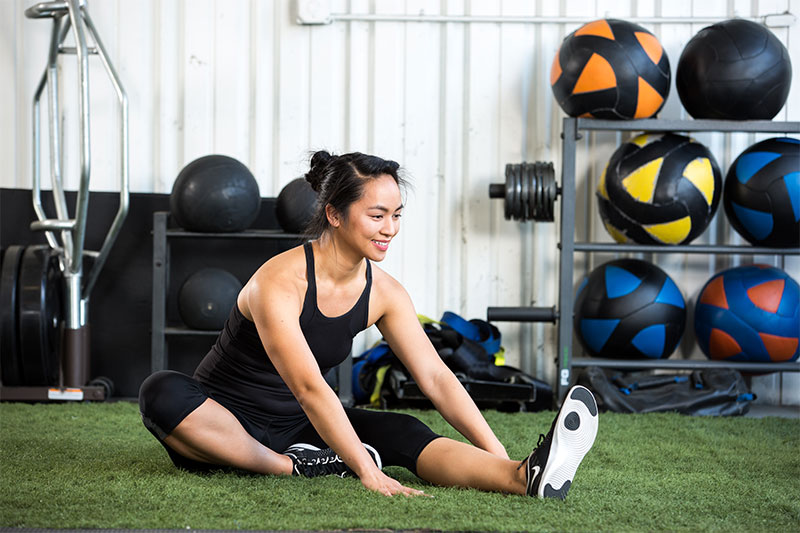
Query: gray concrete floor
{"type": "Point", "coordinates": [781, 411]}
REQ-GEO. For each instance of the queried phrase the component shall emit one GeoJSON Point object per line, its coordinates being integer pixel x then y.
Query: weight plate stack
{"type": "Point", "coordinates": [529, 192]}
{"type": "Point", "coordinates": [40, 315]}
{"type": "Point", "coordinates": [10, 372]}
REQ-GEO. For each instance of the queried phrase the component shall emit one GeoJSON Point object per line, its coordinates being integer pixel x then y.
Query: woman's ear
{"type": "Point", "coordinates": [332, 215]}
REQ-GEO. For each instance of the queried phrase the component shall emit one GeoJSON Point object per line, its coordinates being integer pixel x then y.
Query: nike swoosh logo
{"type": "Point", "coordinates": [534, 473]}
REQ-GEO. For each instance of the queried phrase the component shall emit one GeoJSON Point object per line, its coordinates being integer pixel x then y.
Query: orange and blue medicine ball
{"type": "Point", "coordinates": [659, 188]}
{"type": "Point", "coordinates": [749, 313]}
{"type": "Point", "coordinates": [610, 69]}
{"type": "Point", "coordinates": [629, 309]}
{"type": "Point", "coordinates": [762, 193]}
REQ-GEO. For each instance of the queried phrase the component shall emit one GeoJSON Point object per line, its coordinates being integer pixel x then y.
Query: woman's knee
{"type": "Point", "coordinates": [166, 398]}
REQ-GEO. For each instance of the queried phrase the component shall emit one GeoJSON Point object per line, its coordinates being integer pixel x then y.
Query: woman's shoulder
{"type": "Point", "coordinates": [288, 263]}
{"type": "Point", "coordinates": [384, 285]}
{"type": "Point", "coordinates": [282, 273]}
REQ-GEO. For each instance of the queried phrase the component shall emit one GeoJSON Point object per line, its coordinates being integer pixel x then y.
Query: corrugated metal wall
{"type": "Point", "coordinates": [453, 102]}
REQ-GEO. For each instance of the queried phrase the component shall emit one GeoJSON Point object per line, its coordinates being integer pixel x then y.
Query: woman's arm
{"type": "Point", "coordinates": [401, 329]}
{"type": "Point", "coordinates": [275, 311]}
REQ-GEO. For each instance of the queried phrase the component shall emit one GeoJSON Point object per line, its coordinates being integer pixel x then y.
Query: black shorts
{"type": "Point", "coordinates": [167, 397]}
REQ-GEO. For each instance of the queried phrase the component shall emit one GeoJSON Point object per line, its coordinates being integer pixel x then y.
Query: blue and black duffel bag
{"type": "Point", "coordinates": [472, 350]}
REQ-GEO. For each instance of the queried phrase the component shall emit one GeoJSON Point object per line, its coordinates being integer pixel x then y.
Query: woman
{"type": "Point", "coordinates": [261, 387]}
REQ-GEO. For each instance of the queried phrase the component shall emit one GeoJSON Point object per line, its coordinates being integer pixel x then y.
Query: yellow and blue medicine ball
{"type": "Point", "coordinates": [659, 188]}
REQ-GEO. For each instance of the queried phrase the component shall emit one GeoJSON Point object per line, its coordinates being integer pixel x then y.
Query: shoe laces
{"type": "Point", "coordinates": [542, 439]}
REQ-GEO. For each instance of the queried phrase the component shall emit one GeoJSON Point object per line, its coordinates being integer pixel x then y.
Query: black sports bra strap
{"type": "Point", "coordinates": [310, 301]}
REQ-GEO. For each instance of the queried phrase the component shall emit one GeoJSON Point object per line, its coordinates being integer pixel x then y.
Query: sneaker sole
{"type": "Point", "coordinates": [573, 436]}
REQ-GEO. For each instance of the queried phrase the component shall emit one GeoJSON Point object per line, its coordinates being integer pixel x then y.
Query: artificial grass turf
{"type": "Point", "coordinates": [95, 466]}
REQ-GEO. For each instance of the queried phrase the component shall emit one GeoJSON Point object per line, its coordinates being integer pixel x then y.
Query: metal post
{"type": "Point", "coordinates": [158, 350]}
{"type": "Point", "coordinates": [566, 264]}
{"type": "Point", "coordinates": [345, 371]}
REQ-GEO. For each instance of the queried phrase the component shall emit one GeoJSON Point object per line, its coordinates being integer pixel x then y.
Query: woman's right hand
{"type": "Point", "coordinates": [380, 482]}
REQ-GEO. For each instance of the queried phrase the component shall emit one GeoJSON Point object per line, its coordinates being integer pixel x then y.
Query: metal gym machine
{"type": "Point", "coordinates": [46, 338]}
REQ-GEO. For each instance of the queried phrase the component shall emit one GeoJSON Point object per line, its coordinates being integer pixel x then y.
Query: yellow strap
{"type": "Point", "coordinates": [500, 357]}
{"type": "Point", "coordinates": [380, 375]}
{"type": "Point", "coordinates": [427, 320]}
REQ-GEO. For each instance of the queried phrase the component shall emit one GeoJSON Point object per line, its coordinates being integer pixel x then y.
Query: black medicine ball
{"type": "Point", "coordinates": [295, 206]}
{"type": "Point", "coordinates": [215, 193]}
{"type": "Point", "coordinates": [734, 70]}
{"type": "Point", "coordinates": [206, 298]}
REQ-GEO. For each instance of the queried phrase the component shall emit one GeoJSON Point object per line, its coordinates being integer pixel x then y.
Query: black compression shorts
{"type": "Point", "coordinates": [167, 397]}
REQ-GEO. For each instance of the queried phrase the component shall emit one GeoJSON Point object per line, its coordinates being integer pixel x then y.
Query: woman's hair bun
{"type": "Point", "coordinates": [316, 174]}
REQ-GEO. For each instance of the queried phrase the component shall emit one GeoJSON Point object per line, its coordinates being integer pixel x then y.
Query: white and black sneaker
{"type": "Point", "coordinates": [552, 465]}
{"type": "Point", "coordinates": [310, 461]}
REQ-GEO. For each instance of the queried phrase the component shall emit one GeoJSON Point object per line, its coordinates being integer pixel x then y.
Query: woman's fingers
{"type": "Point", "coordinates": [389, 487]}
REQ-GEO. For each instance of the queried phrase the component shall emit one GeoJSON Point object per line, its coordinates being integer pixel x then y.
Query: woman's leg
{"type": "Point", "coordinates": [449, 462]}
{"type": "Point", "coordinates": [212, 434]}
{"type": "Point", "coordinates": [179, 412]}
{"type": "Point", "coordinates": [405, 441]}
{"type": "Point", "coordinates": [546, 473]}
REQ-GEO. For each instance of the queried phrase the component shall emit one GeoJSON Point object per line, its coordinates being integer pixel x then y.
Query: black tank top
{"type": "Point", "coordinates": [238, 370]}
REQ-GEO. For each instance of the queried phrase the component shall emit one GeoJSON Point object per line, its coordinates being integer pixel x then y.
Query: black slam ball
{"type": "Point", "coordinates": [206, 298]}
{"type": "Point", "coordinates": [295, 206]}
{"type": "Point", "coordinates": [734, 70]}
{"type": "Point", "coordinates": [215, 193]}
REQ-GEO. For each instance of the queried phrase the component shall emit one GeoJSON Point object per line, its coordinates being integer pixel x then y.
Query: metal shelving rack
{"type": "Point", "coordinates": [161, 257]}
{"type": "Point", "coordinates": [568, 247]}
{"type": "Point", "coordinates": [162, 235]}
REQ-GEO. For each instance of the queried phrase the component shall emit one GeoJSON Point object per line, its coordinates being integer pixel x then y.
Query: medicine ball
{"type": "Point", "coordinates": [659, 188]}
{"type": "Point", "coordinates": [749, 313]}
{"type": "Point", "coordinates": [215, 193]}
{"type": "Point", "coordinates": [206, 298]}
{"type": "Point", "coordinates": [610, 69]}
{"type": "Point", "coordinates": [295, 206]}
{"type": "Point", "coordinates": [762, 193]}
{"type": "Point", "coordinates": [629, 309]}
{"type": "Point", "coordinates": [735, 70]}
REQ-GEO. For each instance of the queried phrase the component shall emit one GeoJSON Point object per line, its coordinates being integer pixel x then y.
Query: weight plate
{"type": "Point", "coordinates": [547, 199]}
{"type": "Point", "coordinates": [510, 179]}
{"type": "Point", "coordinates": [530, 177]}
{"type": "Point", "coordinates": [516, 205]}
{"type": "Point", "coordinates": [537, 176]}
{"type": "Point", "coordinates": [9, 347]}
{"type": "Point", "coordinates": [550, 188]}
{"type": "Point", "coordinates": [529, 188]}
{"type": "Point", "coordinates": [525, 191]}
{"type": "Point", "coordinates": [507, 196]}
{"type": "Point", "coordinates": [40, 315]}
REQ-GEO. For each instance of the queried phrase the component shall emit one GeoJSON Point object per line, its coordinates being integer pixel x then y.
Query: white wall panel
{"type": "Point", "coordinates": [451, 102]}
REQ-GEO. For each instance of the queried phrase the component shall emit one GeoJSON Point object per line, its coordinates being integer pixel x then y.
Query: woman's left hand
{"type": "Point", "coordinates": [383, 484]}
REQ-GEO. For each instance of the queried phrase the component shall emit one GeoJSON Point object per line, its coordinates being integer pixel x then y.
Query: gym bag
{"type": "Point", "coordinates": [471, 349]}
{"type": "Point", "coordinates": [709, 392]}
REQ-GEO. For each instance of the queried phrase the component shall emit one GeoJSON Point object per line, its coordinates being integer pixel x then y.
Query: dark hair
{"type": "Point", "coordinates": [339, 181]}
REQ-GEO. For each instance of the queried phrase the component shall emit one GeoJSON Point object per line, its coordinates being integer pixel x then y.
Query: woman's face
{"type": "Point", "coordinates": [374, 219]}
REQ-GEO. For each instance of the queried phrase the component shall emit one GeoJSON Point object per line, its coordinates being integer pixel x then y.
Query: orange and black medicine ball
{"type": "Point", "coordinates": [610, 69]}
